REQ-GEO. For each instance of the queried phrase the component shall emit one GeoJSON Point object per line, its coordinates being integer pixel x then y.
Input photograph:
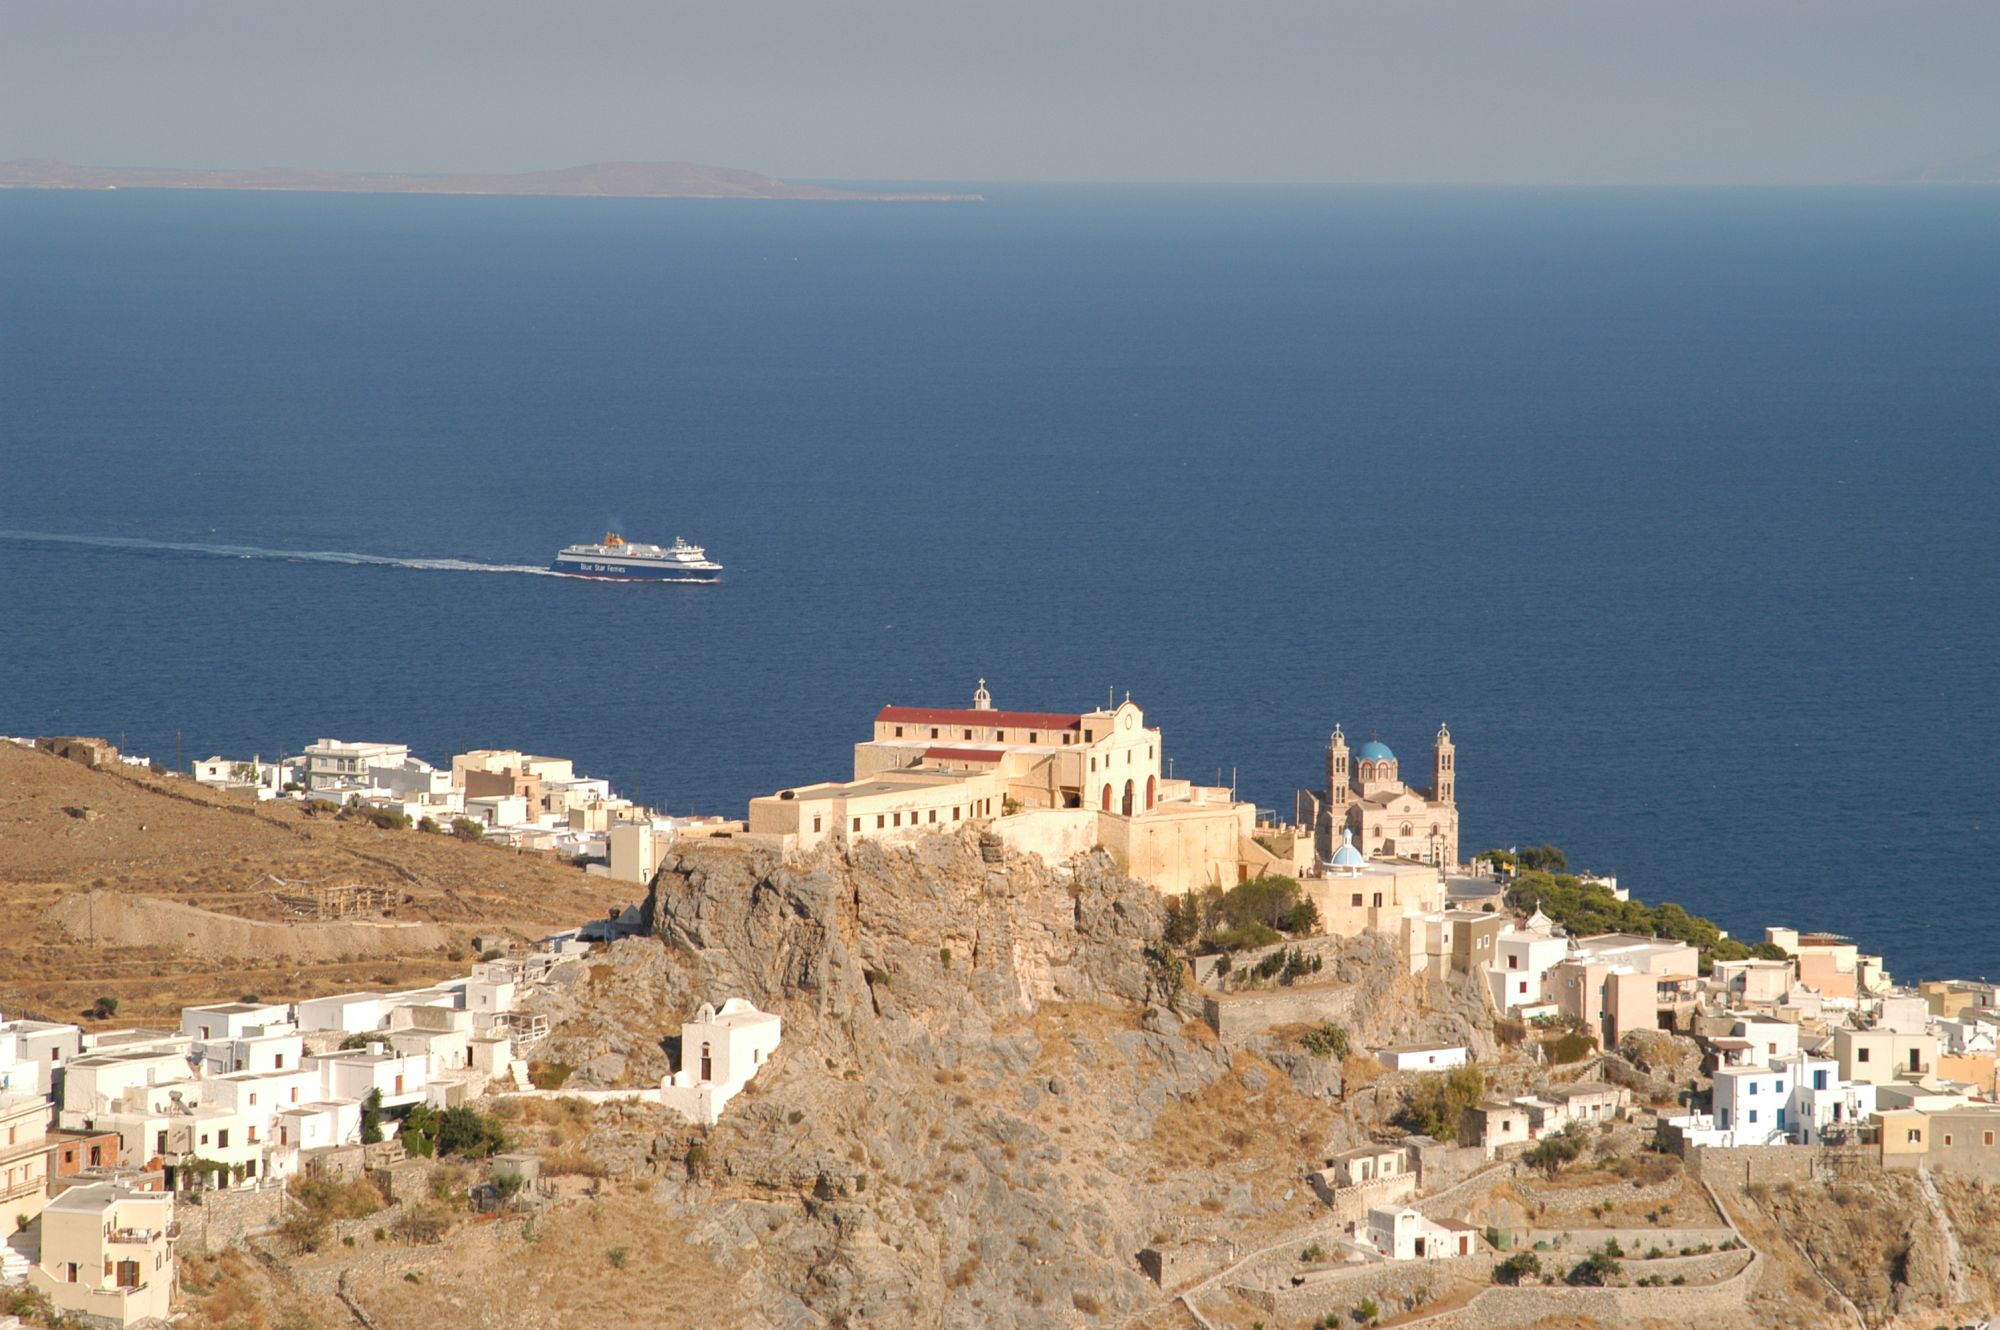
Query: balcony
{"type": "Point", "coordinates": [136, 1237]}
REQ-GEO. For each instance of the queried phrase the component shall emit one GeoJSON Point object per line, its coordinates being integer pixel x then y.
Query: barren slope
{"type": "Point", "coordinates": [161, 893]}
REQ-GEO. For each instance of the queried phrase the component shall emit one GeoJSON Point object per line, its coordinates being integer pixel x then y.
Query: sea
{"type": "Point", "coordinates": [1678, 506]}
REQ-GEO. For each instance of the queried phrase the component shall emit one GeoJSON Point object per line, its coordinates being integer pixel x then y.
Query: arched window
{"type": "Point", "coordinates": [707, 1063]}
{"type": "Point", "coordinates": [1150, 790]}
{"type": "Point", "coordinates": [1127, 805]}
{"type": "Point", "coordinates": [1406, 828]}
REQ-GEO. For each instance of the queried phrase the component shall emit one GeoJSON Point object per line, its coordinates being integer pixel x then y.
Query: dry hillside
{"type": "Point", "coordinates": [161, 893]}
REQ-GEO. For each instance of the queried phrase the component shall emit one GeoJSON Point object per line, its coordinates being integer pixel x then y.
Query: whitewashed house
{"type": "Point", "coordinates": [355, 1073]}
{"type": "Point", "coordinates": [1421, 1057]}
{"type": "Point", "coordinates": [720, 1051]}
{"type": "Point", "coordinates": [1752, 1103]}
{"type": "Point", "coordinates": [345, 1013]}
{"type": "Point", "coordinates": [1821, 1103]}
{"type": "Point", "coordinates": [33, 1052]}
{"type": "Point", "coordinates": [1523, 955]}
{"type": "Point", "coordinates": [1408, 1235]}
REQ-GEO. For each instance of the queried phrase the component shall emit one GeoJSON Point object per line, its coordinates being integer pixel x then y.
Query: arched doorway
{"type": "Point", "coordinates": [1127, 806]}
{"type": "Point", "coordinates": [707, 1064]}
{"type": "Point", "coordinates": [1107, 798]}
{"type": "Point", "coordinates": [1151, 781]}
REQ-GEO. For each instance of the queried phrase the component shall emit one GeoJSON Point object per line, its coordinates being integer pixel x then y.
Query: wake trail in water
{"type": "Point", "coordinates": [287, 556]}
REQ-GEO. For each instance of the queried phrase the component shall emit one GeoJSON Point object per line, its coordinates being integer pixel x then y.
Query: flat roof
{"type": "Point", "coordinates": [1421, 1048]}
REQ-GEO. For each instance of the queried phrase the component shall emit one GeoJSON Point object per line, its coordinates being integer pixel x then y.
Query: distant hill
{"type": "Point", "coordinates": [624, 180]}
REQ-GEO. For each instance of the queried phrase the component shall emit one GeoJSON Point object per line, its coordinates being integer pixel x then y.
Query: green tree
{"type": "Point", "coordinates": [1521, 1265]}
{"type": "Point", "coordinates": [1595, 1270]}
{"type": "Point", "coordinates": [1435, 1104]}
{"type": "Point", "coordinates": [466, 1131]}
{"type": "Point", "coordinates": [466, 828]}
{"type": "Point", "coordinates": [371, 1118]}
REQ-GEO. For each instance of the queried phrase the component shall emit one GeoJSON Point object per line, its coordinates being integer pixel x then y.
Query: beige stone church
{"type": "Point", "coordinates": [1365, 793]}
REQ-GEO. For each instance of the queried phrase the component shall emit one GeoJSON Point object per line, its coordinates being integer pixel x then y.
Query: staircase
{"type": "Point", "coordinates": [18, 1255]}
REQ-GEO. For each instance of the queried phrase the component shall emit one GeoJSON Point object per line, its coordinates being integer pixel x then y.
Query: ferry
{"type": "Point", "coordinates": [618, 559]}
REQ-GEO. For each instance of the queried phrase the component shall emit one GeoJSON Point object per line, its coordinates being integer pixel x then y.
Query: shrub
{"type": "Point", "coordinates": [104, 1008]}
{"type": "Point", "coordinates": [306, 1230]}
{"type": "Point", "coordinates": [1551, 1153]}
{"type": "Point", "coordinates": [549, 1075]}
{"type": "Point", "coordinates": [944, 957]}
{"type": "Point", "coordinates": [617, 1257]}
{"type": "Point", "coordinates": [421, 1224]}
{"type": "Point", "coordinates": [796, 1116]}
{"type": "Point", "coordinates": [1366, 1312]}
{"type": "Point", "coordinates": [1521, 1265]}
{"type": "Point", "coordinates": [1313, 1253]}
{"type": "Point", "coordinates": [1434, 1105]}
{"type": "Point", "coordinates": [427, 824]}
{"type": "Point", "coordinates": [1326, 1041]}
{"type": "Point", "coordinates": [466, 828]}
{"type": "Point", "coordinates": [388, 819]}
{"type": "Point", "coordinates": [1572, 1047]}
{"type": "Point", "coordinates": [1086, 1303]}
{"type": "Point", "coordinates": [464, 1130]}
{"type": "Point", "coordinates": [371, 1118]}
{"type": "Point", "coordinates": [1595, 1270]}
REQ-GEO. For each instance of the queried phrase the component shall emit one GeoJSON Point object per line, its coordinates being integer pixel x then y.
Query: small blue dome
{"type": "Point", "coordinates": [1374, 751]}
{"type": "Point", "coordinates": [1347, 856]}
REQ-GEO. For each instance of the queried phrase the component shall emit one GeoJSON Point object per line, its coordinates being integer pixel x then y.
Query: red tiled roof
{"type": "Point", "coordinates": [961, 755]}
{"type": "Point", "coordinates": [1007, 720]}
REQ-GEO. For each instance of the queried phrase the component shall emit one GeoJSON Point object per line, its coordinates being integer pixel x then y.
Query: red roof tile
{"type": "Point", "coordinates": [1006, 720]}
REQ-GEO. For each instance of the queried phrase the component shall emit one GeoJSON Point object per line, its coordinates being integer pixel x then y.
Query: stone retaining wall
{"type": "Point", "coordinates": [1390, 1283]}
{"type": "Point", "coordinates": [1744, 1164]}
{"type": "Point", "coordinates": [1237, 1015]}
{"type": "Point", "coordinates": [225, 1218]}
{"type": "Point", "coordinates": [1633, 1240]}
{"type": "Point", "coordinates": [1608, 1193]}
{"type": "Point", "coordinates": [322, 1281]}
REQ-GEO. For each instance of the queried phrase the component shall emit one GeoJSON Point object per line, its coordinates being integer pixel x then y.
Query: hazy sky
{"type": "Point", "coordinates": [1252, 90]}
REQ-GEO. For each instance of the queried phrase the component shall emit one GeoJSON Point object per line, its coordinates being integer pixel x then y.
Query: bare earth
{"type": "Point", "coordinates": [161, 893]}
{"type": "Point", "coordinates": [629, 180]}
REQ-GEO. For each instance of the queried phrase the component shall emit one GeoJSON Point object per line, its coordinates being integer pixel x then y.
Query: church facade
{"type": "Point", "coordinates": [1365, 794]}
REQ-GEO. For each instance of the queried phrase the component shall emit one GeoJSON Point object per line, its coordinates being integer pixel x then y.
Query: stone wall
{"type": "Point", "coordinates": [1742, 1165]}
{"type": "Point", "coordinates": [1352, 1204]}
{"type": "Point", "coordinates": [1394, 1286]}
{"type": "Point", "coordinates": [1579, 1242]}
{"type": "Point", "coordinates": [323, 1281]}
{"type": "Point", "coordinates": [225, 1218]}
{"type": "Point", "coordinates": [1237, 1015]}
{"type": "Point", "coordinates": [1607, 1193]}
{"type": "Point", "coordinates": [1172, 1265]}
{"type": "Point", "coordinates": [1327, 948]}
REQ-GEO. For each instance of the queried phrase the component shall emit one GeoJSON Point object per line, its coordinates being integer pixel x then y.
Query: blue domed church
{"type": "Point", "coordinates": [1365, 793]}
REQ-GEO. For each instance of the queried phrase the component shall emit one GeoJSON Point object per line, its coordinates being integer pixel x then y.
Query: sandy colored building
{"type": "Point", "coordinates": [1618, 982]}
{"type": "Point", "coordinates": [1882, 1056]}
{"type": "Point", "coordinates": [1830, 964]}
{"type": "Point", "coordinates": [1355, 894]}
{"type": "Point", "coordinates": [1047, 783]}
{"type": "Point", "coordinates": [1390, 820]}
{"type": "Point", "coordinates": [107, 1254]}
{"type": "Point", "coordinates": [24, 1155]}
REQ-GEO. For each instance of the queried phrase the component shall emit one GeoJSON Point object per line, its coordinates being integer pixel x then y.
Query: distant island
{"type": "Point", "coordinates": [619, 180]}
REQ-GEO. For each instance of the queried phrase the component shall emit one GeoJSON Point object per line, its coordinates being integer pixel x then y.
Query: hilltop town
{"type": "Point", "coordinates": [1007, 1026]}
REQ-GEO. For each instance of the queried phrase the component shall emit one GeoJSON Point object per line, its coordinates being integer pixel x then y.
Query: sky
{"type": "Point", "coordinates": [1391, 91]}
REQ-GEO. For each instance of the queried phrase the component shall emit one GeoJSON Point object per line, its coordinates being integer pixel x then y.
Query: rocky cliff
{"type": "Point", "coordinates": [991, 1094]}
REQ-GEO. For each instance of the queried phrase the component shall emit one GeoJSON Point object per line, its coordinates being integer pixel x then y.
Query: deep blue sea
{"type": "Point", "coordinates": [1680, 506]}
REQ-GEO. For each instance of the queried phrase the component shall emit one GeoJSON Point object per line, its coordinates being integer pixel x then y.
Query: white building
{"type": "Point", "coordinates": [345, 1013]}
{"type": "Point", "coordinates": [720, 1052]}
{"type": "Point", "coordinates": [1753, 1104]}
{"type": "Point", "coordinates": [1421, 1057]}
{"type": "Point", "coordinates": [355, 1073]}
{"type": "Point", "coordinates": [1409, 1235]}
{"type": "Point", "coordinates": [1522, 957]}
{"type": "Point", "coordinates": [32, 1053]}
{"type": "Point", "coordinates": [100, 1082]}
{"type": "Point", "coordinates": [1821, 1103]}
{"type": "Point", "coordinates": [332, 763]}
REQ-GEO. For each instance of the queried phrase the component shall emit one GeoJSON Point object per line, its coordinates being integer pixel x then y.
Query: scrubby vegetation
{"type": "Point", "coordinates": [1521, 1265]}
{"type": "Point", "coordinates": [1435, 1104]}
{"type": "Point", "coordinates": [1326, 1041]}
{"type": "Point", "coordinates": [1585, 908]}
{"type": "Point", "coordinates": [456, 1131]}
{"type": "Point", "coordinates": [1251, 914]}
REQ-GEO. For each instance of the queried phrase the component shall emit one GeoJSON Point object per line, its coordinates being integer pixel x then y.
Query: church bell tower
{"type": "Point", "coordinates": [1338, 777]}
{"type": "Point", "coordinates": [1444, 769]}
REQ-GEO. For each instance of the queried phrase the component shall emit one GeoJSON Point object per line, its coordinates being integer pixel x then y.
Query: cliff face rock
{"type": "Point", "coordinates": [991, 1095]}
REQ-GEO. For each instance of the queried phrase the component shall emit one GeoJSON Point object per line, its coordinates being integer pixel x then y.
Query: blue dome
{"type": "Point", "coordinates": [1374, 751]}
